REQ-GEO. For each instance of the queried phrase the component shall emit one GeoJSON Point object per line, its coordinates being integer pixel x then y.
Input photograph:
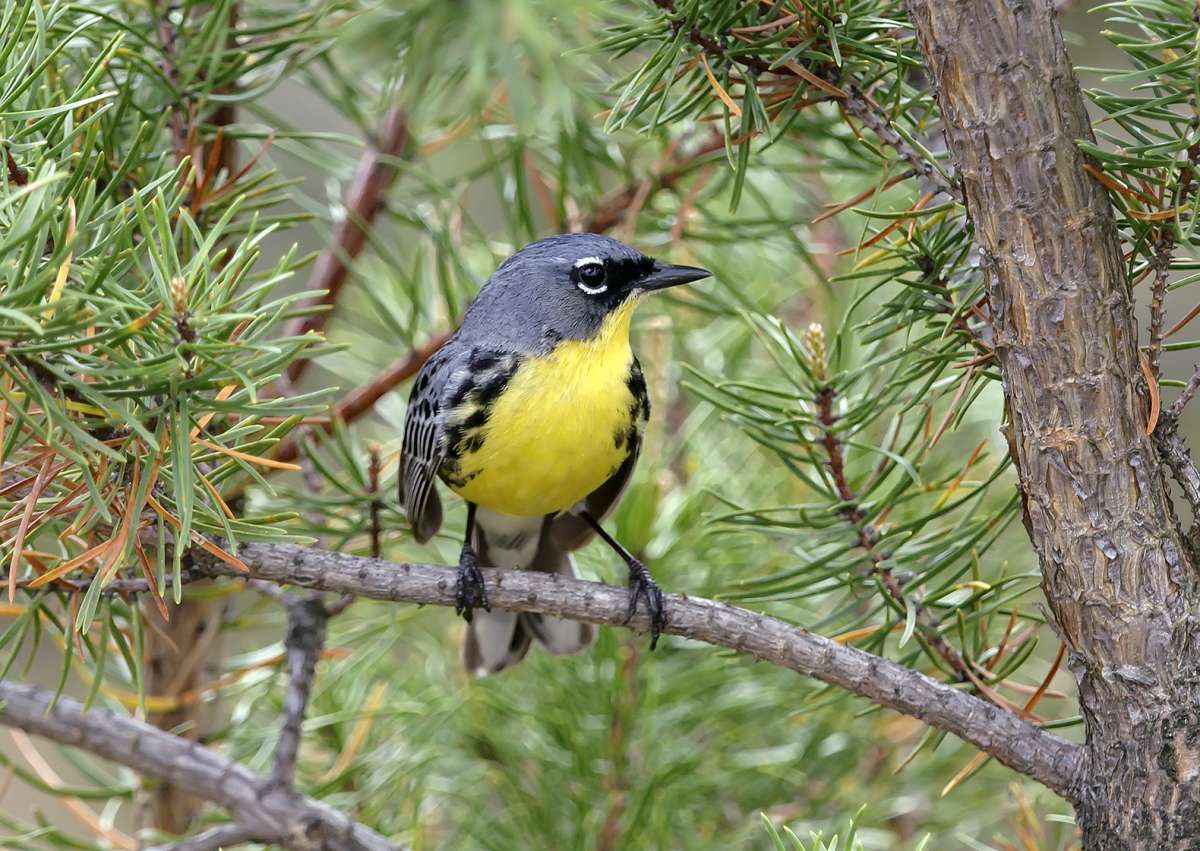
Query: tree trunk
{"type": "Point", "coordinates": [183, 656]}
{"type": "Point", "coordinates": [1119, 581]}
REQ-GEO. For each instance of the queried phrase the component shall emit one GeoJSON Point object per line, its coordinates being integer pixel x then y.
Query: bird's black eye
{"type": "Point", "coordinates": [590, 276]}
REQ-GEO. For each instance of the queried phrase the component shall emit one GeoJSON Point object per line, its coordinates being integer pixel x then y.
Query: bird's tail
{"type": "Point", "coordinates": [498, 640]}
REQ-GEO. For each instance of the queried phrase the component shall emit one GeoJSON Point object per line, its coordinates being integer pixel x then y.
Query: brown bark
{"type": "Point", "coordinates": [1115, 572]}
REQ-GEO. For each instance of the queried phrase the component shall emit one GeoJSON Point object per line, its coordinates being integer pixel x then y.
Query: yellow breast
{"type": "Point", "coordinates": [558, 430]}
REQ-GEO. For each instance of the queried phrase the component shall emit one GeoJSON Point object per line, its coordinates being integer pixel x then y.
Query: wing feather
{"type": "Point", "coordinates": [423, 449]}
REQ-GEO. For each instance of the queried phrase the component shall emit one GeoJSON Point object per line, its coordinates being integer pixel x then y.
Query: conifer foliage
{"type": "Point", "coordinates": [231, 230]}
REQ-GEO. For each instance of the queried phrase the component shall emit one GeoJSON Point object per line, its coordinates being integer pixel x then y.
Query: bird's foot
{"type": "Point", "coordinates": [642, 586]}
{"type": "Point", "coordinates": [469, 590]}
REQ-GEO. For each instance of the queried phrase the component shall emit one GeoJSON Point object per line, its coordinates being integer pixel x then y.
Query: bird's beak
{"type": "Point", "coordinates": [666, 275]}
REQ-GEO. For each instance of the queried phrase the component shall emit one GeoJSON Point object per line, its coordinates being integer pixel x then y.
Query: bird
{"type": "Point", "coordinates": [533, 412]}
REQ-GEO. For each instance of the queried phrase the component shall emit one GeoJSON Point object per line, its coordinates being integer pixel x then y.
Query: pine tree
{"type": "Point", "coordinates": [230, 231]}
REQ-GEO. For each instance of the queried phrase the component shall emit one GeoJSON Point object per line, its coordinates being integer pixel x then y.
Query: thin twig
{"type": "Point", "coordinates": [1036, 753]}
{"type": "Point", "coordinates": [306, 618]}
{"type": "Point", "coordinates": [1162, 270]}
{"type": "Point", "coordinates": [1174, 451]}
{"type": "Point", "coordinates": [868, 537]}
{"type": "Point", "coordinates": [267, 812]}
{"type": "Point", "coordinates": [221, 836]}
{"type": "Point", "coordinates": [858, 104]}
{"type": "Point", "coordinates": [167, 36]}
{"type": "Point", "coordinates": [1189, 390]}
{"type": "Point", "coordinates": [375, 173]}
{"type": "Point", "coordinates": [374, 468]}
{"type": "Point", "coordinates": [125, 586]}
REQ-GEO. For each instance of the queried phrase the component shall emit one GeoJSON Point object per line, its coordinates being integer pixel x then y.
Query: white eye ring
{"type": "Point", "coordinates": [590, 261]}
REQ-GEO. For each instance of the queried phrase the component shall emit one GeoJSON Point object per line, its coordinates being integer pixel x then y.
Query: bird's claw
{"type": "Point", "coordinates": [469, 591]}
{"type": "Point", "coordinates": [643, 586]}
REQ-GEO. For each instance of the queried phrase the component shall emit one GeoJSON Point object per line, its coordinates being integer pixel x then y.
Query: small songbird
{"type": "Point", "coordinates": [533, 412]}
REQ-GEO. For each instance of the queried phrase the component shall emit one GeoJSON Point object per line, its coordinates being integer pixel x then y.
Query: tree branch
{"type": "Point", "coordinates": [1158, 292]}
{"type": "Point", "coordinates": [221, 836]}
{"type": "Point", "coordinates": [375, 173]}
{"type": "Point", "coordinates": [1173, 450]}
{"type": "Point", "coordinates": [1036, 753]}
{"type": "Point", "coordinates": [263, 809]}
{"type": "Point", "coordinates": [306, 619]}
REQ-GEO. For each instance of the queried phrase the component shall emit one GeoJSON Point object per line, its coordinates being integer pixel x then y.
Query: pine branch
{"type": "Point", "coordinates": [1040, 755]}
{"type": "Point", "coordinates": [868, 537]}
{"type": "Point", "coordinates": [860, 105]}
{"type": "Point", "coordinates": [1174, 452]}
{"type": "Point", "coordinates": [1189, 391]}
{"type": "Point", "coordinates": [1162, 270]}
{"type": "Point", "coordinates": [263, 809]}
{"type": "Point", "coordinates": [848, 95]}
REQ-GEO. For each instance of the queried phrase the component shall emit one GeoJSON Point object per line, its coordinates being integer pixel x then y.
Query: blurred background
{"type": "Point", "coordinates": [508, 121]}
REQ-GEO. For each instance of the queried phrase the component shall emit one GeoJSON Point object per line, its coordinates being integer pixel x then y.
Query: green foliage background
{"type": "Point", "coordinates": [145, 293]}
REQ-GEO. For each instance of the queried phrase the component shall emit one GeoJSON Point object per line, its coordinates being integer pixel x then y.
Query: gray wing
{"type": "Point", "coordinates": [423, 450]}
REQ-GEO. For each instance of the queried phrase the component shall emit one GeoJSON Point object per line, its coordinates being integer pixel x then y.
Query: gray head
{"type": "Point", "coordinates": [563, 287]}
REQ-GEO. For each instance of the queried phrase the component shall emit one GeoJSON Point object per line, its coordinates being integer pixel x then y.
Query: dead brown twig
{"type": "Point", "coordinates": [376, 172]}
